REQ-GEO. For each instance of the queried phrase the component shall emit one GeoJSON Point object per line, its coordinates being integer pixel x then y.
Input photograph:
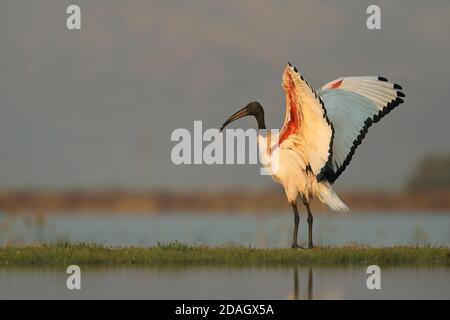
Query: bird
{"type": "Point", "coordinates": [321, 131]}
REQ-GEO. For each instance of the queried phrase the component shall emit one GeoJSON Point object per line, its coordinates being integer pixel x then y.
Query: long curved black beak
{"type": "Point", "coordinates": [241, 113]}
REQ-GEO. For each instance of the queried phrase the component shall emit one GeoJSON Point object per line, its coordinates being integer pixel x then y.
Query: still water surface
{"type": "Point", "coordinates": [227, 283]}
{"type": "Point", "coordinates": [268, 230]}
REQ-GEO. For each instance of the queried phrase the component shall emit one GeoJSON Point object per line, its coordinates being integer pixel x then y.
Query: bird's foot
{"type": "Point", "coordinates": [296, 246]}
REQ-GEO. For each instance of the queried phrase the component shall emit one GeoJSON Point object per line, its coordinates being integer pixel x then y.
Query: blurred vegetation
{"type": "Point", "coordinates": [433, 172]}
{"type": "Point", "coordinates": [65, 253]}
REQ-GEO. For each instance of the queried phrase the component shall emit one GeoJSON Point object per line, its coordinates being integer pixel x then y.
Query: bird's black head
{"type": "Point", "coordinates": [252, 109]}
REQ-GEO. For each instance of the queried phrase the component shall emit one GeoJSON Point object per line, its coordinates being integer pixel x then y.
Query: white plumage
{"type": "Point", "coordinates": [321, 131]}
{"type": "Point", "coordinates": [352, 107]}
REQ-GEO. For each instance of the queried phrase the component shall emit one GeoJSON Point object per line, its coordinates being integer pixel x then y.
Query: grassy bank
{"type": "Point", "coordinates": [64, 253]}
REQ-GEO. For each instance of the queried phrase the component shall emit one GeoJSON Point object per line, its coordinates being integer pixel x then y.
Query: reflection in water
{"type": "Point", "coordinates": [310, 283]}
{"type": "Point", "coordinates": [141, 282]}
{"type": "Point", "coordinates": [297, 284]}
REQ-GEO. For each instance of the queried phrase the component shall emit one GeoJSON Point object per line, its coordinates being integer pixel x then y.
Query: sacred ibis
{"type": "Point", "coordinates": [320, 134]}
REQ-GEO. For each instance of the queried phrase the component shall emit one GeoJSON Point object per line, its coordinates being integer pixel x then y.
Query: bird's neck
{"type": "Point", "coordinates": [261, 124]}
{"type": "Point", "coordinates": [259, 115]}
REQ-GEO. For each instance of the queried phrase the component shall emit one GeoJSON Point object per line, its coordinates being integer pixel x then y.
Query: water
{"type": "Point", "coordinates": [302, 282]}
{"type": "Point", "coordinates": [268, 230]}
{"type": "Point", "coordinates": [226, 283]}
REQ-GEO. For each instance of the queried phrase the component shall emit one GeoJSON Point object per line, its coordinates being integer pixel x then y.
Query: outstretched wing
{"type": "Point", "coordinates": [353, 104]}
{"type": "Point", "coordinates": [306, 130]}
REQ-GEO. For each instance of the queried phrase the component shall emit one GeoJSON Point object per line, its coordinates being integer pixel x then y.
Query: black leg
{"type": "Point", "coordinates": [310, 226]}
{"type": "Point", "coordinates": [296, 222]}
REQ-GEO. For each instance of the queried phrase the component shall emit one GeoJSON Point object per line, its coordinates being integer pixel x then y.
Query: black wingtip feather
{"type": "Point", "coordinates": [400, 94]}
{"type": "Point", "coordinates": [397, 86]}
{"type": "Point", "coordinates": [332, 176]}
{"type": "Point", "coordinates": [382, 79]}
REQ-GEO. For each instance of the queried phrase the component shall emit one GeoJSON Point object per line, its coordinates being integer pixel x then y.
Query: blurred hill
{"type": "Point", "coordinates": [230, 201]}
{"type": "Point", "coordinates": [433, 172]}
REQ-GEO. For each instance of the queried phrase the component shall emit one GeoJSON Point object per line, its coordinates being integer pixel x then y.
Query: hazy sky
{"type": "Point", "coordinates": [95, 108]}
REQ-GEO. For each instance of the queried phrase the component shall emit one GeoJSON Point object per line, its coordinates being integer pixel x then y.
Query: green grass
{"type": "Point", "coordinates": [176, 253]}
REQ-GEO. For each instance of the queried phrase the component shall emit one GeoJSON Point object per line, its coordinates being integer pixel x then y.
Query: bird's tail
{"type": "Point", "coordinates": [330, 198]}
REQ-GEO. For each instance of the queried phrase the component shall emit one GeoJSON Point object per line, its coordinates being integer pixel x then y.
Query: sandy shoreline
{"type": "Point", "coordinates": [209, 202]}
